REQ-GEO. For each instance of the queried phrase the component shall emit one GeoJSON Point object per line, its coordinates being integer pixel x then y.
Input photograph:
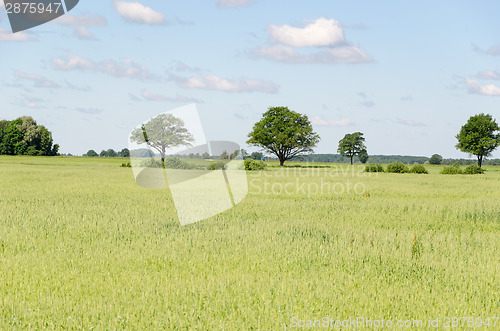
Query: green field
{"type": "Point", "coordinates": [82, 246]}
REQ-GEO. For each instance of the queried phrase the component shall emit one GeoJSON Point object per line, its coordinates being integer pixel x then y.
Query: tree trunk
{"type": "Point", "coordinates": [352, 158]}
{"type": "Point", "coordinates": [282, 161]}
{"type": "Point", "coordinates": [479, 160]}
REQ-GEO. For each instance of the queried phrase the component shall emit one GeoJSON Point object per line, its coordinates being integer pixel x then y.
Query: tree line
{"type": "Point", "coordinates": [23, 136]}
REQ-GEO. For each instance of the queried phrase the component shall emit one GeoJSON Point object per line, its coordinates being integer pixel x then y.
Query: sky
{"type": "Point", "coordinates": [408, 74]}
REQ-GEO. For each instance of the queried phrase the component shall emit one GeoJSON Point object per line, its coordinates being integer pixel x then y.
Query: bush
{"type": "Point", "coordinates": [397, 168]}
{"type": "Point", "coordinates": [418, 169]}
{"type": "Point", "coordinates": [254, 165]}
{"type": "Point", "coordinates": [126, 165]}
{"type": "Point", "coordinates": [218, 165]}
{"type": "Point", "coordinates": [473, 169]}
{"type": "Point", "coordinates": [176, 163]}
{"type": "Point", "coordinates": [451, 170]}
{"type": "Point", "coordinates": [150, 163]}
{"type": "Point", "coordinates": [374, 168]}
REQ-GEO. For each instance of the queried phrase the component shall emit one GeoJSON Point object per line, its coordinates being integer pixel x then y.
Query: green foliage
{"type": "Point", "coordinates": [23, 136]}
{"type": "Point", "coordinates": [473, 169]}
{"type": "Point", "coordinates": [150, 163]}
{"type": "Point", "coordinates": [397, 168]}
{"type": "Point", "coordinates": [418, 169]}
{"type": "Point", "coordinates": [256, 156]}
{"type": "Point", "coordinates": [284, 133]}
{"type": "Point", "coordinates": [176, 163]}
{"type": "Point", "coordinates": [436, 159]}
{"type": "Point", "coordinates": [216, 165]}
{"type": "Point", "coordinates": [163, 132]}
{"type": "Point", "coordinates": [363, 156]}
{"type": "Point", "coordinates": [351, 145]}
{"type": "Point", "coordinates": [124, 153]}
{"type": "Point", "coordinates": [452, 170]}
{"type": "Point", "coordinates": [479, 136]}
{"type": "Point", "coordinates": [374, 168]}
{"type": "Point", "coordinates": [92, 153]}
{"type": "Point", "coordinates": [126, 165]}
{"type": "Point", "coordinates": [254, 165]}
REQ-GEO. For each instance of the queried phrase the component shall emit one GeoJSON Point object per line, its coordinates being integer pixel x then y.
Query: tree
{"type": "Point", "coordinates": [92, 153]}
{"type": "Point", "coordinates": [256, 156]}
{"type": "Point", "coordinates": [351, 145]}
{"type": "Point", "coordinates": [163, 132]}
{"type": "Point", "coordinates": [436, 159]}
{"type": "Point", "coordinates": [124, 153]}
{"type": "Point", "coordinates": [363, 156]}
{"type": "Point", "coordinates": [23, 136]}
{"type": "Point", "coordinates": [284, 133]}
{"type": "Point", "coordinates": [478, 137]}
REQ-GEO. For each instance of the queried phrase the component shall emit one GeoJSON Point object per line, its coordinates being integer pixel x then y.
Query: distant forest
{"type": "Point", "coordinates": [384, 159]}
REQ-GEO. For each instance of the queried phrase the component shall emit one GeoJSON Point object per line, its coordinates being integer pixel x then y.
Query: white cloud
{"type": "Point", "coordinates": [318, 121]}
{"type": "Point", "coordinates": [138, 13]}
{"type": "Point", "coordinates": [80, 23]}
{"type": "Point", "coordinates": [233, 3]}
{"type": "Point", "coordinates": [127, 69]}
{"type": "Point", "coordinates": [73, 62]}
{"type": "Point", "coordinates": [322, 32]}
{"type": "Point", "coordinates": [324, 36]}
{"type": "Point", "coordinates": [216, 83]}
{"type": "Point", "coordinates": [38, 81]}
{"type": "Point", "coordinates": [474, 87]}
{"type": "Point", "coordinates": [9, 36]}
{"type": "Point", "coordinates": [161, 98]}
{"type": "Point", "coordinates": [488, 74]}
{"type": "Point", "coordinates": [346, 54]}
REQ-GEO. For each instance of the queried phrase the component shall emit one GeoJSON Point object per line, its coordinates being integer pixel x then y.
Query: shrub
{"type": "Point", "coordinates": [397, 168]}
{"type": "Point", "coordinates": [150, 163]}
{"type": "Point", "coordinates": [254, 165]}
{"type": "Point", "coordinates": [374, 168]}
{"type": "Point", "coordinates": [451, 170]}
{"type": "Point", "coordinates": [126, 165]}
{"type": "Point", "coordinates": [473, 169]}
{"type": "Point", "coordinates": [176, 163]}
{"type": "Point", "coordinates": [418, 169]}
{"type": "Point", "coordinates": [218, 165]}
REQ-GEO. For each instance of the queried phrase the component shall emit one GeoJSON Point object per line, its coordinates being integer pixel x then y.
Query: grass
{"type": "Point", "coordinates": [82, 246]}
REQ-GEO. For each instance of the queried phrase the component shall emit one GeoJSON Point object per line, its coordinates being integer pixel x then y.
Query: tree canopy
{"type": "Point", "coordinates": [23, 136]}
{"type": "Point", "coordinates": [436, 159]}
{"type": "Point", "coordinates": [351, 145]}
{"type": "Point", "coordinates": [479, 137]}
{"type": "Point", "coordinates": [284, 133]}
{"type": "Point", "coordinates": [161, 133]}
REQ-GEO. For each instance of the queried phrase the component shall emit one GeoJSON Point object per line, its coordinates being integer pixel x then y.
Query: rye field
{"type": "Point", "coordinates": [83, 247]}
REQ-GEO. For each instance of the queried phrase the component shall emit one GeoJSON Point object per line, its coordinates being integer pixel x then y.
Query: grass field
{"type": "Point", "coordinates": [82, 246]}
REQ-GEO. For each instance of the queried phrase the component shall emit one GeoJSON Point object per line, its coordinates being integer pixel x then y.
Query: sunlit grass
{"type": "Point", "coordinates": [81, 245]}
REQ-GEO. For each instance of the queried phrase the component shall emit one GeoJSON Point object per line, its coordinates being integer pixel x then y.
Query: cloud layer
{"type": "Point", "coordinates": [127, 69]}
{"type": "Point", "coordinates": [474, 87]}
{"type": "Point", "coordinates": [216, 83]}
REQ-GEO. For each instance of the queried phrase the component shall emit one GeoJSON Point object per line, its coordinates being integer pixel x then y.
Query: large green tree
{"type": "Point", "coordinates": [284, 133]}
{"type": "Point", "coordinates": [161, 133]}
{"type": "Point", "coordinates": [23, 136]}
{"type": "Point", "coordinates": [479, 136]}
{"type": "Point", "coordinates": [351, 145]}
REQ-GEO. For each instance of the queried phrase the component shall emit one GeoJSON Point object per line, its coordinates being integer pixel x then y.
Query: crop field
{"type": "Point", "coordinates": [83, 246]}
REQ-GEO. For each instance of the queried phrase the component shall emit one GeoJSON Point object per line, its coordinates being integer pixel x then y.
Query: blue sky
{"type": "Point", "coordinates": [407, 74]}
